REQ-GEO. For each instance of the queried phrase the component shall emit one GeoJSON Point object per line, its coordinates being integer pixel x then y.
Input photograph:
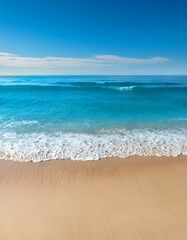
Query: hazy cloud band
{"type": "Point", "coordinates": [11, 60]}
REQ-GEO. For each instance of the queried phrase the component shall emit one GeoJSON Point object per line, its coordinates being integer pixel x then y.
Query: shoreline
{"type": "Point", "coordinates": [158, 157]}
{"type": "Point", "coordinates": [137, 197]}
{"type": "Point", "coordinates": [78, 146]}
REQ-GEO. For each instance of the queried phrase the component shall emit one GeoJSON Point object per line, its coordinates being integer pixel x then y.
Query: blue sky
{"type": "Point", "coordinates": [93, 37]}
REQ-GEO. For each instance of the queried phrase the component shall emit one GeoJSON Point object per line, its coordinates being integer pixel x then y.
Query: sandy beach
{"type": "Point", "coordinates": [137, 198]}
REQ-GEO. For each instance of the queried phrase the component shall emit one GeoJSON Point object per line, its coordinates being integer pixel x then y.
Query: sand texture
{"type": "Point", "coordinates": [137, 198]}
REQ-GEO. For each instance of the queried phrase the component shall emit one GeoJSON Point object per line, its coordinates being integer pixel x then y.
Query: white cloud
{"type": "Point", "coordinates": [4, 54]}
{"type": "Point", "coordinates": [123, 60]}
{"type": "Point", "coordinates": [14, 61]}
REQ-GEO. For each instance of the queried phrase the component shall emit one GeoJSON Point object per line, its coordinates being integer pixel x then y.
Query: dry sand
{"type": "Point", "coordinates": [138, 198]}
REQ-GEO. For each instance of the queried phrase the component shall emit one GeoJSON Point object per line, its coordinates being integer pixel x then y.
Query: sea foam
{"type": "Point", "coordinates": [127, 88]}
{"type": "Point", "coordinates": [122, 143]}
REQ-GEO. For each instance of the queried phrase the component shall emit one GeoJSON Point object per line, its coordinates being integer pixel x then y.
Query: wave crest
{"type": "Point", "coordinates": [127, 88]}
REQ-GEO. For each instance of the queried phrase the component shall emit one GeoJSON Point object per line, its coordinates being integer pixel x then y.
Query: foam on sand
{"type": "Point", "coordinates": [122, 143]}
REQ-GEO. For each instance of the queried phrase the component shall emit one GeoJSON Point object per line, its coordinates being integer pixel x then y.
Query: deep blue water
{"type": "Point", "coordinates": [89, 105]}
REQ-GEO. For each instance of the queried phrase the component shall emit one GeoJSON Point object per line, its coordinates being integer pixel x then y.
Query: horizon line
{"type": "Point", "coordinates": [45, 75]}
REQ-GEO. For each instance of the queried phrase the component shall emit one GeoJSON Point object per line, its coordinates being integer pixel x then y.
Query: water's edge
{"type": "Point", "coordinates": [42, 147]}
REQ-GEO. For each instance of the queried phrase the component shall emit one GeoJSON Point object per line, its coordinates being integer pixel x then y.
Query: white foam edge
{"type": "Point", "coordinates": [41, 146]}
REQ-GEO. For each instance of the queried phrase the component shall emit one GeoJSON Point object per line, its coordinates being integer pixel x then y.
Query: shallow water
{"type": "Point", "coordinates": [89, 117]}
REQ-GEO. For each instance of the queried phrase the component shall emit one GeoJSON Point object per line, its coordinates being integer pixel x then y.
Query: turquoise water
{"type": "Point", "coordinates": [88, 117]}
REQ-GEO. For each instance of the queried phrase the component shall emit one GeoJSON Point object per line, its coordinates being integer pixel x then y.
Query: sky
{"type": "Point", "coordinates": [83, 37]}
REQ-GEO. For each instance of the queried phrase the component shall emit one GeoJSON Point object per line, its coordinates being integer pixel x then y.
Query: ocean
{"type": "Point", "coordinates": [92, 117]}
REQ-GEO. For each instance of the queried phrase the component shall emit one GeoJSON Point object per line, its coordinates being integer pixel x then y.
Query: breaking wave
{"type": "Point", "coordinates": [127, 88]}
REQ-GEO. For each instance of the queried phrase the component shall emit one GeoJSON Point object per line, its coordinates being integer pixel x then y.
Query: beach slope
{"type": "Point", "coordinates": [137, 198]}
